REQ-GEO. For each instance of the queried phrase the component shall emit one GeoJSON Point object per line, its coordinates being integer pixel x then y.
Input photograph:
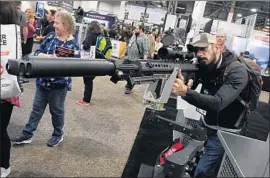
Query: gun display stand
{"type": "Point", "coordinates": [151, 139]}
{"type": "Point", "coordinates": [156, 132]}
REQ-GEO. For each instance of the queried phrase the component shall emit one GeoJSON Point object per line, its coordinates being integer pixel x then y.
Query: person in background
{"type": "Point", "coordinates": [8, 15]}
{"type": "Point", "coordinates": [241, 54]}
{"type": "Point", "coordinates": [151, 39]}
{"type": "Point", "coordinates": [79, 15]}
{"type": "Point", "coordinates": [23, 24]}
{"type": "Point", "coordinates": [113, 32]}
{"type": "Point", "coordinates": [221, 40]}
{"type": "Point", "coordinates": [93, 32]}
{"type": "Point", "coordinates": [50, 27]}
{"type": "Point", "coordinates": [122, 34]}
{"type": "Point", "coordinates": [104, 30]}
{"type": "Point", "coordinates": [246, 54]}
{"type": "Point", "coordinates": [31, 24]}
{"type": "Point", "coordinates": [52, 91]}
{"type": "Point", "coordinates": [137, 49]}
{"type": "Point", "coordinates": [158, 45]}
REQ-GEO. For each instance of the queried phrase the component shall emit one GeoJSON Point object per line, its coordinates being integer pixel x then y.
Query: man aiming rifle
{"type": "Point", "coordinates": [219, 97]}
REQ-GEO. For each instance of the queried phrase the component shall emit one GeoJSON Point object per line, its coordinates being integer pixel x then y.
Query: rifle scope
{"type": "Point", "coordinates": [174, 53]}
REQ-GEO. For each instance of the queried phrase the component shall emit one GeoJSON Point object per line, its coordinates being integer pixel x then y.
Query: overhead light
{"type": "Point", "coordinates": [253, 10]}
{"type": "Point", "coordinates": [239, 15]}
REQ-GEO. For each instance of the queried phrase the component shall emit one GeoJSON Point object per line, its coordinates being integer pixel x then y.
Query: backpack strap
{"type": "Point", "coordinates": [98, 41]}
{"type": "Point", "coordinates": [227, 70]}
{"type": "Point", "coordinates": [245, 111]}
{"type": "Point", "coordinates": [138, 46]}
{"type": "Point", "coordinates": [230, 67]}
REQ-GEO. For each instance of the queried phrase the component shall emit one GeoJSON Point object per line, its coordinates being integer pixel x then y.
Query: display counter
{"type": "Point", "coordinates": [118, 48]}
{"type": "Point", "coordinates": [244, 157]}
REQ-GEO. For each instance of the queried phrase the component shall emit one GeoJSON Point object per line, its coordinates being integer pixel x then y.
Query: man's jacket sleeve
{"type": "Point", "coordinates": [236, 81]}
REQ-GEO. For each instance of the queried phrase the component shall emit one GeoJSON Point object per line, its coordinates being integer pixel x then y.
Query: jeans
{"type": "Point", "coordinates": [129, 85]}
{"type": "Point", "coordinates": [6, 111]}
{"type": "Point", "coordinates": [88, 88]}
{"type": "Point", "coordinates": [209, 163]}
{"type": "Point", "coordinates": [56, 99]}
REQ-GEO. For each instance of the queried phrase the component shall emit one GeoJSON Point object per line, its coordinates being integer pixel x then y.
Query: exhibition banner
{"type": "Point", "coordinates": [258, 48]}
{"type": "Point", "coordinates": [40, 9]}
{"type": "Point", "coordinates": [109, 21]}
{"type": "Point", "coordinates": [197, 17]}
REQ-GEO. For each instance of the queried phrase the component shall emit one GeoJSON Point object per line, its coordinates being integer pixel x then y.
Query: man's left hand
{"type": "Point", "coordinates": [179, 86]}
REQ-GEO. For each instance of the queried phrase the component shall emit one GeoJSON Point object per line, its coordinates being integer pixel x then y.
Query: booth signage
{"type": "Point", "coordinates": [110, 20]}
{"type": "Point", "coordinates": [262, 38]}
{"type": "Point", "coordinates": [95, 16]}
{"type": "Point", "coordinates": [181, 8]}
{"type": "Point", "coordinates": [53, 3]}
{"type": "Point", "coordinates": [67, 5]}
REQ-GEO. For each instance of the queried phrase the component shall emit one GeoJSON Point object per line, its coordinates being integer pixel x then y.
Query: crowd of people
{"type": "Point", "coordinates": [211, 50]}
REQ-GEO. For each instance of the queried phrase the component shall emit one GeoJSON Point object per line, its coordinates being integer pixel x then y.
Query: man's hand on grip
{"type": "Point", "coordinates": [179, 86]}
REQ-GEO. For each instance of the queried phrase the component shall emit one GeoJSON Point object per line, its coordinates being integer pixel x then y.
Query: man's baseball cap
{"type": "Point", "coordinates": [201, 41]}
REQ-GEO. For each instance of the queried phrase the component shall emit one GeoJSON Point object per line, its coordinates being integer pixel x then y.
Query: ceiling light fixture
{"type": "Point", "coordinates": [253, 10]}
{"type": "Point", "coordinates": [239, 15]}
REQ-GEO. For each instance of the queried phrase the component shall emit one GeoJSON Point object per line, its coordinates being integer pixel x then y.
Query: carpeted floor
{"type": "Point", "coordinates": [259, 123]}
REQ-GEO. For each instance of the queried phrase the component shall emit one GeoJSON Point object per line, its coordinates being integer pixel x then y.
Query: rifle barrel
{"type": "Point", "coordinates": [57, 67]}
{"type": "Point", "coordinates": [75, 67]}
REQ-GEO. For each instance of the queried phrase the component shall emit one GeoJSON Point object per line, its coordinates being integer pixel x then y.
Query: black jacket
{"type": "Point", "coordinates": [222, 107]}
{"type": "Point", "coordinates": [48, 29]}
{"type": "Point", "coordinates": [90, 40]}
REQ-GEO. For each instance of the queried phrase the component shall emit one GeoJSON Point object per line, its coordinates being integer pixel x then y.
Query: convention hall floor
{"type": "Point", "coordinates": [98, 137]}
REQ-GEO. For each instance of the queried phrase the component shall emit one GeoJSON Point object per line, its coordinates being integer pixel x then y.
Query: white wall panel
{"type": "Point", "coordinates": [89, 5]}
{"type": "Point", "coordinates": [28, 4]}
{"type": "Point", "coordinates": [155, 15]}
{"type": "Point", "coordinates": [135, 12]}
{"type": "Point", "coordinates": [106, 6]}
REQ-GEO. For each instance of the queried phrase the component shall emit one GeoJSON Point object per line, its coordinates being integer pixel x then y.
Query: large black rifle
{"type": "Point", "coordinates": [138, 71]}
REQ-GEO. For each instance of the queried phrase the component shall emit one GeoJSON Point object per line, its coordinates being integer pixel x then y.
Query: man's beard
{"type": "Point", "coordinates": [208, 69]}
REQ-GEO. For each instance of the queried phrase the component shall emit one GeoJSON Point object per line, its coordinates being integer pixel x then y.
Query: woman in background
{"type": "Point", "coordinates": [8, 15]}
{"type": "Point", "coordinates": [52, 91]}
{"type": "Point", "coordinates": [31, 25]}
{"type": "Point", "coordinates": [158, 45]}
{"type": "Point", "coordinates": [93, 32]}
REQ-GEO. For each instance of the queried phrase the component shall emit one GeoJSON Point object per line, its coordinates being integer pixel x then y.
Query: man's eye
{"type": "Point", "coordinates": [202, 49]}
